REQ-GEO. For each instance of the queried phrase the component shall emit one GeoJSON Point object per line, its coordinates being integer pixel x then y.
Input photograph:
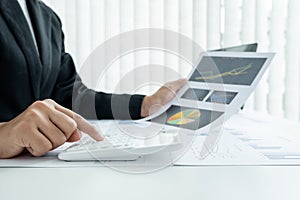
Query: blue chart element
{"type": "Point", "coordinates": [280, 156]}
{"type": "Point", "coordinates": [265, 147]}
{"type": "Point", "coordinates": [249, 139]}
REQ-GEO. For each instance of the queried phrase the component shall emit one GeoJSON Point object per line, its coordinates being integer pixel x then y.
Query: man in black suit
{"type": "Point", "coordinates": [37, 78]}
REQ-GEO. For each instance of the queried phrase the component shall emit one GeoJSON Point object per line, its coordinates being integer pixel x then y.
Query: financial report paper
{"type": "Point", "coordinates": [249, 139]}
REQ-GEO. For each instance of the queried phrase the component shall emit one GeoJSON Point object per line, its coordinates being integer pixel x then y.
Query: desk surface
{"type": "Point", "coordinates": [175, 183]}
{"type": "Point", "coordinates": [242, 183]}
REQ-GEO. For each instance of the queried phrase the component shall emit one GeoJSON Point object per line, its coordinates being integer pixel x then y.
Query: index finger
{"type": "Point", "coordinates": [86, 127]}
{"type": "Point", "coordinates": [82, 124]}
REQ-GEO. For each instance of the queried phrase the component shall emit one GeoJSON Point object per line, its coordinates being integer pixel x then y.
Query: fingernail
{"type": "Point", "coordinates": [98, 137]}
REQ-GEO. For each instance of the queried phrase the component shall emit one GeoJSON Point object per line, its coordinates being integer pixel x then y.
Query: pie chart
{"type": "Point", "coordinates": [184, 117]}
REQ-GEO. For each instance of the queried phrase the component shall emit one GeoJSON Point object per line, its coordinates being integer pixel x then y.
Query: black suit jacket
{"type": "Point", "coordinates": [26, 76]}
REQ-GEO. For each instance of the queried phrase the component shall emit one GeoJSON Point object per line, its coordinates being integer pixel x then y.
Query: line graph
{"type": "Point", "coordinates": [234, 72]}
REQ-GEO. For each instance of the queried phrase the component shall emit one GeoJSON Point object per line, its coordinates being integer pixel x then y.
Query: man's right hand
{"type": "Point", "coordinates": [44, 126]}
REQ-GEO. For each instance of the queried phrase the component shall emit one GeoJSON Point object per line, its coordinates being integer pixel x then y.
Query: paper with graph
{"type": "Point", "coordinates": [218, 87]}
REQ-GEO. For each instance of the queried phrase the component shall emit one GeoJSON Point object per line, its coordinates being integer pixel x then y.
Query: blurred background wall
{"type": "Point", "coordinates": [274, 24]}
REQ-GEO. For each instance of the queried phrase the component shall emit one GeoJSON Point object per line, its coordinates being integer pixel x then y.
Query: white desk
{"type": "Point", "coordinates": [229, 183]}
{"type": "Point", "coordinates": [182, 183]}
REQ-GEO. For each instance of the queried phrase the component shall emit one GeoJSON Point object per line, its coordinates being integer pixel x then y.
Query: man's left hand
{"type": "Point", "coordinates": [165, 94]}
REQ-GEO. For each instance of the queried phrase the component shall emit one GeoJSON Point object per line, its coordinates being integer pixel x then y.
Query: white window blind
{"type": "Point", "coordinates": [274, 24]}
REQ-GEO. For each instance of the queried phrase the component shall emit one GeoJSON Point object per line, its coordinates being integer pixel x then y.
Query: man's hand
{"type": "Point", "coordinates": [44, 126]}
{"type": "Point", "coordinates": [166, 93]}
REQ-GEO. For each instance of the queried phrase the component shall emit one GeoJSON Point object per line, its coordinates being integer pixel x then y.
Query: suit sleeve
{"type": "Point", "coordinates": [71, 92]}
